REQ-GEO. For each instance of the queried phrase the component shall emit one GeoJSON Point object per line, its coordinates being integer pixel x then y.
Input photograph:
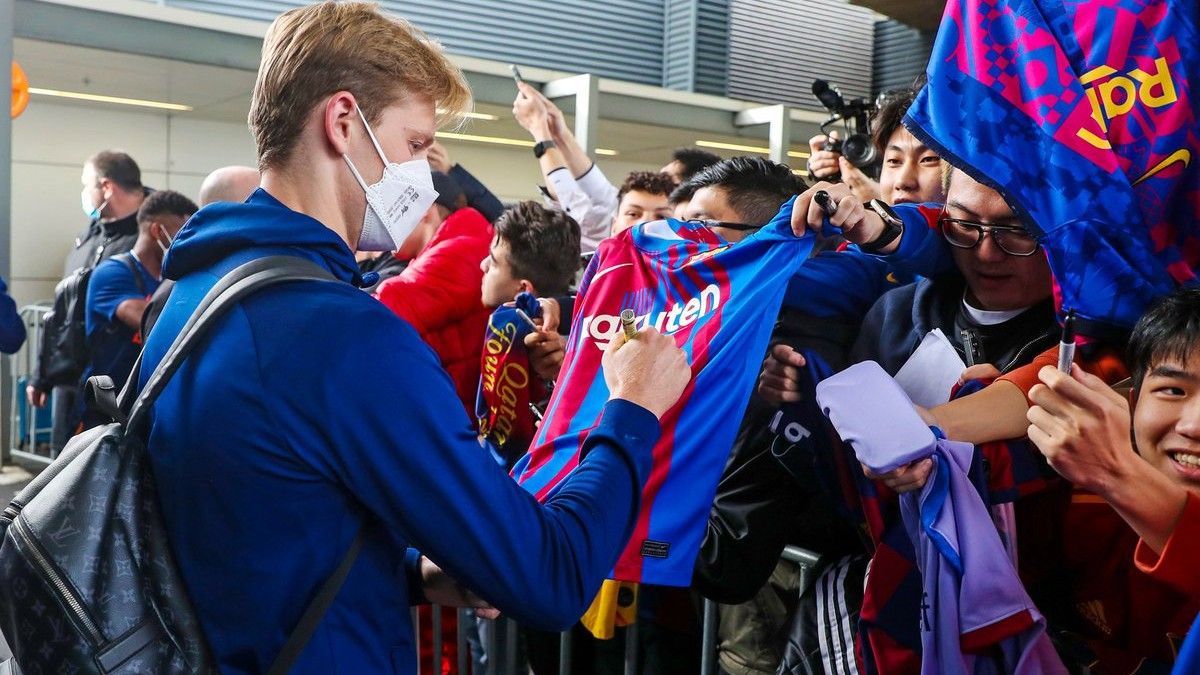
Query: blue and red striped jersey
{"type": "Point", "coordinates": [719, 301]}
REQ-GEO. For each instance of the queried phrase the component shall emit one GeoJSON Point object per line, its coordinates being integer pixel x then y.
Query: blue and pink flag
{"type": "Point", "coordinates": [1083, 115]}
{"type": "Point", "coordinates": [719, 302]}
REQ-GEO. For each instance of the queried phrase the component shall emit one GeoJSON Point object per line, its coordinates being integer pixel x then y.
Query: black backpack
{"type": "Point", "coordinates": [87, 580]}
{"type": "Point", "coordinates": [64, 350]}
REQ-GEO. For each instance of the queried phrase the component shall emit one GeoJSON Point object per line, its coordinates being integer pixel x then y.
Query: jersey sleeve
{"type": "Point", "coordinates": [1107, 365]}
{"type": "Point", "coordinates": [111, 284]}
{"type": "Point", "coordinates": [1180, 558]}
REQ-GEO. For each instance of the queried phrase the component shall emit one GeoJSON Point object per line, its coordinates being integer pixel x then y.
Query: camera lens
{"type": "Point", "coordinates": [832, 145]}
{"type": "Point", "coordinates": [859, 150]}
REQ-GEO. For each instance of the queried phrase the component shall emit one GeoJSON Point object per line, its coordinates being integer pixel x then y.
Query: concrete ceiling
{"type": "Point", "coordinates": [922, 14]}
{"type": "Point", "coordinates": [223, 94]}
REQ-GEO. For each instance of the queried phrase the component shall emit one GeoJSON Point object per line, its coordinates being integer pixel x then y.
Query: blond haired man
{"type": "Point", "coordinates": [313, 414]}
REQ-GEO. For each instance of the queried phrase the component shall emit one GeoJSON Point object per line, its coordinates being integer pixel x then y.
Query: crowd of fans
{"type": "Point", "coordinates": [1090, 475]}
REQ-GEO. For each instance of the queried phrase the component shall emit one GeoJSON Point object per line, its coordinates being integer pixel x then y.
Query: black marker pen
{"type": "Point", "coordinates": [1066, 346]}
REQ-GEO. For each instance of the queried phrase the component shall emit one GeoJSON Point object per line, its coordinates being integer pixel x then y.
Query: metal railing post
{"type": "Point", "coordinates": [708, 641]}
{"type": "Point", "coordinates": [436, 620]}
{"type": "Point", "coordinates": [564, 653]}
{"type": "Point", "coordinates": [631, 649]}
{"type": "Point", "coordinates": [464, 650]}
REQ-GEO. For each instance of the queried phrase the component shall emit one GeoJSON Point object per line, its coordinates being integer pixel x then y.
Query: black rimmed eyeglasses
{"type": "Point", "coordinates": [1013, 240]}
{"type": "Point", "coordinates": [710, 224]}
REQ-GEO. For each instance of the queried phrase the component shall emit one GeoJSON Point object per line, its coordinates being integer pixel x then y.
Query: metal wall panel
{"type": "Point", "coordinates": [901, 54]}
{"type": "Point", "coordinates": [696, 45]}
{"type": "Point", "coordinates": [776, 49]}
{"type": "Point", "coordinates": [622, 39]}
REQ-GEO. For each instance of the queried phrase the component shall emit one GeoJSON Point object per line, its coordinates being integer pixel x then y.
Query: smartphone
{"type": "Point", "coordinates": [516, 73]}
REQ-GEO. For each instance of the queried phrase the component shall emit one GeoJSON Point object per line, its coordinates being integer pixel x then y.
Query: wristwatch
{"type": "Point", "coordinates": [541, 147]}
{"type": "Point", "coordinates": [893, 227]}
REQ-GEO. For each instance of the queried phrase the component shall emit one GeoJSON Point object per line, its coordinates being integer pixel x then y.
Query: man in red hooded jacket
{"type": "Point", "coordinates": [438, 293]}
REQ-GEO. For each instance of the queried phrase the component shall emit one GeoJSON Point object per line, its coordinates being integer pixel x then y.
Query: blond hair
{"type": "Point", "coordinates": [314, 51]}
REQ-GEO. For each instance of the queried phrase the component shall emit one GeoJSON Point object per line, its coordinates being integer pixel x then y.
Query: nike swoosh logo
{"type": "Point", "coordinates": [1183, 155]}
{"type": "Point", "coordinates": [606, 270]}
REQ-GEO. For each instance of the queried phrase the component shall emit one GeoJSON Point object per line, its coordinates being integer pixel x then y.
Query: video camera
{"type": "Point", "coordinates": [857, 148]}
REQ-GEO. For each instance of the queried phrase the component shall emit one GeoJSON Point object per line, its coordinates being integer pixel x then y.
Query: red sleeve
{"type": "Point", "coordinates": [438, 288]}
{"type": "Point", "coordinates": [1107, 365]}
{"type": "Point", "coordinates": [1180, 558]}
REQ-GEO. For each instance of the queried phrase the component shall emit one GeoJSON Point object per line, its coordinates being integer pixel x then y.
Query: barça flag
{"type": "Point", "coordinates": [720, 302]}
{"type": "Point", "coordinates": [1084, 116]}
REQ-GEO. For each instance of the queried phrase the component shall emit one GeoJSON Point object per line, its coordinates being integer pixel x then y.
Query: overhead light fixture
{"type": "Point", "coordinates": [159, 105]}
{"type": "Point", "coordinates": [716, 145]}
{"type": "Point", "coordinates": [498, 140]}
{"type": "Point", "coordinates": [494, 140]}
{"type": "Point", "coordinates": [472, 115]}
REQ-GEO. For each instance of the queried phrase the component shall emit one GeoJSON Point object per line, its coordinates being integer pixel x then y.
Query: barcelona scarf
{"type": "Point", "coordinates": [507, 386]}
{"type": "Point", "coordinates": [1083, 115]}
{"type": "Point", "coordinates": [719, 302]}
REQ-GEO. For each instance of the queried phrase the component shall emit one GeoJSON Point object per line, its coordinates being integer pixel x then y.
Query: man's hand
{"type": "Point", "coordinates": [779, 381]}
{"type": "Point", "coordinates": [906, 478]}
{"type": "Point", "coordinates": [1082, 427]}
{"type": "Point", "coordinates": [546, 352]}
{"type": "Point", "coordinates": [36, 397]}
{"type": "Point", "coordinates": [979, 371]}
{"type": "Point", "coordinates": [551, 317]}
{"type": "Point", "coordinates": [648, 370]}
{"type": "Point", "coordinates": [531, 113]}
{"type": "Point", "coordinates": [440, 589]}
{"type": "Point", "coordinates": [858, 224]}
{"type": "Point", "coordinates": [554, 116]}
{"type": "Point", "coordinates": [823, 163]}
{"type": "Point", "coordinates": [863, 186]}
{"type": "Point", "coordinates": [439, 158]}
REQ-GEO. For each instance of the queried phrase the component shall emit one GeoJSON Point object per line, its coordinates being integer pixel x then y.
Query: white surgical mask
{"type": "Point", "coordinates": [396, 204]}
{"type": "Point", "coordinates": [92, 212]}
{"type": "Point", "coordinates": [170, 240]}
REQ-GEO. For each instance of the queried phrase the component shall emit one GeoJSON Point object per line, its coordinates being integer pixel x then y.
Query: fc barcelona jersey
{"type": "Point", "coordinates": [719, 302]}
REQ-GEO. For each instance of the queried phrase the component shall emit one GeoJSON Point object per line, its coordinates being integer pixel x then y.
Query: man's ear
{"type": "Point", "coordinates": [339, 116]}
{"type": "Point", "coordinates": [527, 287]}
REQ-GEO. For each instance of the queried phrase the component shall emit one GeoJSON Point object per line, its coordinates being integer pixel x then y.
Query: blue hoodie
{"type": "Point", "coordinates": [313, 412]}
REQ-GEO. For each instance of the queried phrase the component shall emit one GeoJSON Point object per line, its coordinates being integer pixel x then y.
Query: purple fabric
{"type": "Point", "coordinates": [874, 416]}
{"type": "Point", "coordinates": [971, 594]}
{"type": "Point", "coordinates": [971, 591]}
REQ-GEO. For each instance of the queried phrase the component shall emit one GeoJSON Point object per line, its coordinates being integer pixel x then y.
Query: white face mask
{"type": "Point", "coordinates": [396, 204]}
{"type": "Point", "coordinates": [170, 240]}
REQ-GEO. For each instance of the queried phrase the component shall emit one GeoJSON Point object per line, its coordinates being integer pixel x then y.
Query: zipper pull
{"type": "Point", "coordinates": [970, 344]}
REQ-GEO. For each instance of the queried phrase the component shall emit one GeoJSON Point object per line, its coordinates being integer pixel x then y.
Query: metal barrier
{"type": "Point", "coordinates": [501, 648]}
{"type": "Point", "coordinates": [26, 435]}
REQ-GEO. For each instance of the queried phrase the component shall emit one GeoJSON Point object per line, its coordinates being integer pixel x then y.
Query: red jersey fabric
{"type": "Point", "coordinates": [1124, 613]}
{"type": "Point", "coordinates": [1179, 564]}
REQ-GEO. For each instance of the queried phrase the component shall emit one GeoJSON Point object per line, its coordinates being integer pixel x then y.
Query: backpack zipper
{"type": "Point", "coordinates": [64, 590]}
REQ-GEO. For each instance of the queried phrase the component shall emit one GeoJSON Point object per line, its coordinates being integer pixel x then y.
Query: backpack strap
{"type": "Point", "coordinates": [128, 259]}
{"type": "Point", "coordinates": [240, 282]}
{"type": "Point", "coordinates": [316, 609]}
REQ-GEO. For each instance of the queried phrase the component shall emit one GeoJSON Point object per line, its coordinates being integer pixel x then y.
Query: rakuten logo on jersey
{"type": "Point", "coordinates": [602, 328]}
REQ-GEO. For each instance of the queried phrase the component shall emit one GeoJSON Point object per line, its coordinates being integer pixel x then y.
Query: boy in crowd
{"type": "Point", "coordinates": [536, 250]}
{"type": "Point", "coordinates": [643, 197]}
{"type": "Point", "coordinates": [120, 288]}
{"type": "Point", "coordinates": [1132, 559]}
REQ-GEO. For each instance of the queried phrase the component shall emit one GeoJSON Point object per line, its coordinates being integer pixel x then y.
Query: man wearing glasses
{"type": "Point", "coordinates": [993, 303]}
